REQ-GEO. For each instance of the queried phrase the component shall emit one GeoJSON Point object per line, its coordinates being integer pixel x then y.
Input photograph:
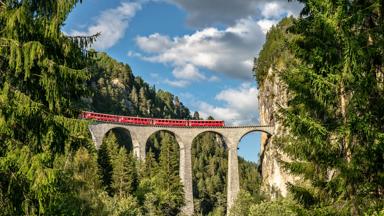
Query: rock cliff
{"type": "Point", "coordinates": [269, 66]}
{"type": "Point", "coordinates": [272, 95]}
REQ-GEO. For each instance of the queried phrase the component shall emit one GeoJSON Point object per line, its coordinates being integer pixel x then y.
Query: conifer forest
{"type": "Point", "coordinates": [329, 60]}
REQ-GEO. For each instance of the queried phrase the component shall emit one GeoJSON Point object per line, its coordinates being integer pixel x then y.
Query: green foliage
{"type": "Point", "coordinates": [142, 185]}
{"type": "Point", "coordinates": [117, 91]}
{"type": "Point", "coordinates": [376, 213]}
{"type": "Point", "coordinates": [42, 79]}
{"type": "Point", "coordinates": [243, 204]}
{"type": "Point", "coordinates": [250, 179]}
{"type": "Point", "coordinates": [334, 114]}
{"type": "Point", "coordinates": [163, 163]}
{"type": "Point", "coordinates": [209, 161]}
{"type": "Point", "coordinates": [282, 207]}
{"type": "Point", "coordinates": [275, 53]}
{"type": "Point", "coordinates": [123, 206]}
{"type": "Point", "coordinates": [124, 177]}
{"type": "Point", "coordinates": [78, 190]}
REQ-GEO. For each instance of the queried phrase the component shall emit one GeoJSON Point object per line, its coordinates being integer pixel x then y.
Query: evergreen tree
{"type": "Point", "coordinates": [42, 80]}
{"type": "Point", "coordinates": [81, 176]}
{"type": "Point", "coordinates": [168, 158]}
{"type": "Point", "coordinates": [196, 115]}
{"type": "Point", "coordinates": [107, 150]}
{"type": "Point", "coordinates": [117, 167]}
{"type": "Point", "coordinates": [209, 161]}
{"type": "Point", "coordinates": [124, 177]}
{"type": "Point", "coordinates": [143, 101]}
{"type": "Point", "coordinates": [135, 100]}
{"type": "Point", "coordinates": [335, 114]}
{"type": "Point", "coordinates": [250, 179]}
{"type": "Point", "coordinates": [163, 196]}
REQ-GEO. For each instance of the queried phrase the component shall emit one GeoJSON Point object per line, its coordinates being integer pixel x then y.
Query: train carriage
{"type": "Point", "coordinates": [170, 122]}
{"type": "Point", "coordinates": [135, 120]}
{"type": "Point", "coordinates": [206, 123]}
{"type": "Point", "coordinates": [100, 116]}
{"type": "Point", "coordinates": [151, 121]}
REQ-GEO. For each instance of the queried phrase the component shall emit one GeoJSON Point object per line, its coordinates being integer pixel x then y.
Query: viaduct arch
{"type": "Point", "coordinates": [184, 137]}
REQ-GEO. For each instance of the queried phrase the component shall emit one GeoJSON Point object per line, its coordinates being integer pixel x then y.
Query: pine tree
{"type": "Point", "coordinates": [135, 100]}
{"type": "Point", "coordinates": [169, 161]}
{"type": "Point", "coordinates": [169, 193]}
{"type": "Point", "coordinates": [335, 114]}
{"type": "Point", "coordinates": [176, 103]}
{"type": "Point", "coordinates": [196, 115]}
{"type": "Point", "coordinates": [143, 101]}
{"type": "Point", "coordinates": [83, 198]}
{"type": "Point", "coordinates": [105, 167]}
{"type": "Point", "coordinates": [124, 174]}
{"type": "Point", "coordinates": [209, 160]}
{"type": "Point", "coordinates": [42, 79]}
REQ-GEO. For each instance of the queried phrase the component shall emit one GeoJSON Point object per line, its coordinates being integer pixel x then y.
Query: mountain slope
{"type": "Point", "coordinates": [117, 91]}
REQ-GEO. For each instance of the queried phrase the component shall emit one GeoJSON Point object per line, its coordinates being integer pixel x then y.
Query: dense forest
{"type": "Point", "coordinates": [48, 164]}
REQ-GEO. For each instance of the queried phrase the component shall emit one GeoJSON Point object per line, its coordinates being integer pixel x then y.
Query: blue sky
{"type": "Point", "coordinates": [200, 50]}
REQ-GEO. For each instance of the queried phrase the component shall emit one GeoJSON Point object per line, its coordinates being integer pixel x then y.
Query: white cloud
{"type": "Point", "coordinates": [276, 9]}
{"type": "Point", "coordinates": [112, 24]}
{"type": "Point", "coordinates": [188, 72]}
{"type": "Point", "coordinates": [221, 113]}
{"type": "Point", "coordinates": [154, 42]}
{"type": "Point", "coordinates": [266, 24]}
{"type": "Point", "coordinates": [239, 106]}
{"type": "Point", "coordinates": [177, 83]}
{"type": "Point", "coordinates": [229, 51]}
{"type": "Point", "coordinates": [272, 9]}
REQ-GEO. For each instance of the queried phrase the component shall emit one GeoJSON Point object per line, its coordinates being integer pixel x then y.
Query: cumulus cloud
{"type": "Point", "coordinates": [112, 24]}
{"type": "Point", "coordinates": [266, 24]}
{"type": "Point", "coordinates": [177, 83]}
{"type": "Point", "coordinates": [229, 51]}
{"type": "Point", "coordinates": [239, 106]}
{"type": "Point", "coordinates": [203, 12]}
{"type": "Point", "coordinates": [188, 72]}
{"type": "Point", "coordinates": [154, 42]}
{"type": "Point", "coordinates": [276, 9]}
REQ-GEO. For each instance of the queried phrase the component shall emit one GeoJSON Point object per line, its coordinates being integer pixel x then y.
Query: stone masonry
{"type": "Point", "coordinates": [185, 136]}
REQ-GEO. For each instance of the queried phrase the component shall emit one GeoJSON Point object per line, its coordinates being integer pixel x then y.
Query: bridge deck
{"type": "Point", "coordinates": [168, 126]}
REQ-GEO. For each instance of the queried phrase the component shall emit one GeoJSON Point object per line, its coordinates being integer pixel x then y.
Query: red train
{"type": "Point", "coordinates": [151, 121]}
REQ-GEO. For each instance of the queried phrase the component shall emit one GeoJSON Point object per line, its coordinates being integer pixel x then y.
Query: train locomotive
{"type": "Point", "coordinates": [151, 121]}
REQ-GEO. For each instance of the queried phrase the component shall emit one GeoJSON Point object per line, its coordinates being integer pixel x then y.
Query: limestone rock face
{"type": "Point", "coordinates": [272, 96]}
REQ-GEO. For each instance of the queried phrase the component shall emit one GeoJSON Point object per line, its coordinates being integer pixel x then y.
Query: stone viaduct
{"type": "Point", "coordinates": [185, 136]}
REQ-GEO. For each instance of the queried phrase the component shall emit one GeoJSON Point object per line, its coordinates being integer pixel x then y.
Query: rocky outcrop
{"type": "Point", "coordinates": [272, 96]}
